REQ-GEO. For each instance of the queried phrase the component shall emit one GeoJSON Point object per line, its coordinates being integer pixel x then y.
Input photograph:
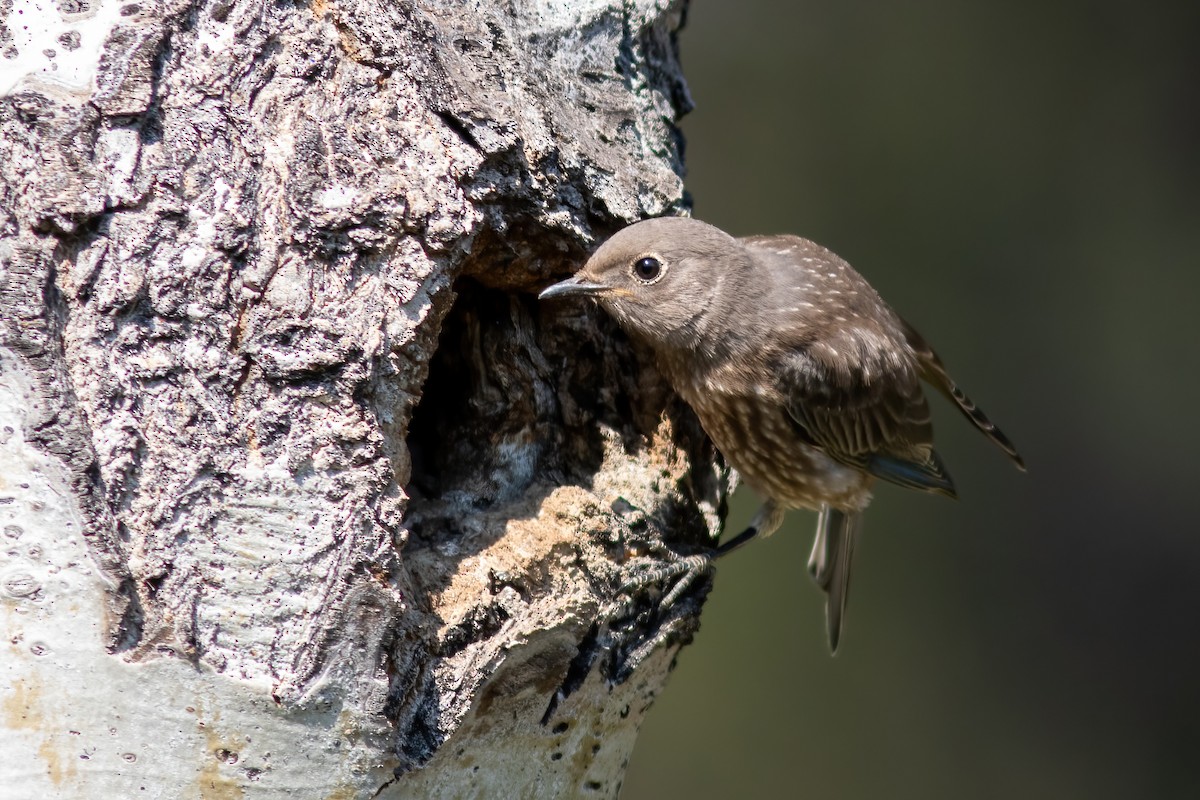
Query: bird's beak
{"type": "Point", "coordinates": [572, 287]}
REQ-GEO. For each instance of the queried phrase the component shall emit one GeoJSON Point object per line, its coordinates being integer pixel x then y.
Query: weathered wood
{"type": "Point", "coordinates": [301, 491]}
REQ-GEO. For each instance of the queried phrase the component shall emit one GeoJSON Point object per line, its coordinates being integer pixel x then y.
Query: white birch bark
{"type": "Point", "coordinates": [302, 494]}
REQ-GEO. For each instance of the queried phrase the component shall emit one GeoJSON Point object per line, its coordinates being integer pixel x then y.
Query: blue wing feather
{"type": "Point", "coordinates": [928, 476]}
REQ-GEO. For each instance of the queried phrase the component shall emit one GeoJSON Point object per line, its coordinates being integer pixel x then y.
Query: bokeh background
{"type": "Point", "coordinates": [1021, 180]}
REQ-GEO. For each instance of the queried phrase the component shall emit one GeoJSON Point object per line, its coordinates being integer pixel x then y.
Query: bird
{"type": "Point", "coordinates": [806, 381]}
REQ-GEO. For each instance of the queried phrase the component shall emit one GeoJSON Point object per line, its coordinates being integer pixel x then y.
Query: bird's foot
{"type": "Point", "coordinates": [655, 570]}
{"type": "Point", "coordinates": [672, 578]}
{"type": "Point", "coordinates": [658, 595]}
{"type": "Point", "coordinates": [657, 604]}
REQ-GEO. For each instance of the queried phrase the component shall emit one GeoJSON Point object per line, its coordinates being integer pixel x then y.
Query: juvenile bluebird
{"type": "Point", "coordinates": [804, 378]}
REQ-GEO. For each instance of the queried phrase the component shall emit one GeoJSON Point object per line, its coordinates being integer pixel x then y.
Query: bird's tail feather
{"type": "Point", "coordinates": [829, 564]}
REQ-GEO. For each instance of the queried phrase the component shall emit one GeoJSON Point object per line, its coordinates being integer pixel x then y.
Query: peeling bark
{"type": "Point", "coordinates": [301, 492]}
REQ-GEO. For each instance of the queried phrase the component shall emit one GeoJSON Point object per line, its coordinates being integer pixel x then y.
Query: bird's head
{"type": "Point", "coordinates": [661, 279]}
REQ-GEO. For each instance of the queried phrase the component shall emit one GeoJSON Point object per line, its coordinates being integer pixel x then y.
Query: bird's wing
{"type": "Point", "coordinates": [933, 371]}
{"type": "Point", "coordinates": [864, 407]}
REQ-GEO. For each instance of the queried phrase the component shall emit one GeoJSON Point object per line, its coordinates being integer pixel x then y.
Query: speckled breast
{"type": "Point", "coordinates": [757, 436]}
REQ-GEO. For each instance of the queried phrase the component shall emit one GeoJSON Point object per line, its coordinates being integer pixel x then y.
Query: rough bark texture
{"type": "Point", "coordinates": [301, 491]}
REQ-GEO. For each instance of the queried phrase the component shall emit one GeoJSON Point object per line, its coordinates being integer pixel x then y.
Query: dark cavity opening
{"type": "Point", "coordinates": [510, 402]}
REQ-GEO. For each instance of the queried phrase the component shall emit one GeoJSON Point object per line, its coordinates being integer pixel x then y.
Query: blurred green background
{"type": "Point", "coordinates": [1022, 181]}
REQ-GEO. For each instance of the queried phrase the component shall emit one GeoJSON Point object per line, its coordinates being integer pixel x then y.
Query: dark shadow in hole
{"type": "Point", "coordinates": [490, 422]}
{"type": "Point", "coordinates": [514, 405]}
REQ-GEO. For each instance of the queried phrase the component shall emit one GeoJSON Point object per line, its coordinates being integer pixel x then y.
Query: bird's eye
{"type": "Point", "coordinates": [647, 269]}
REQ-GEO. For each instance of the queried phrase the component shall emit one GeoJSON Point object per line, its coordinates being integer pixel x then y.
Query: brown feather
{"type": "Point", "coordinates": [933, 371]}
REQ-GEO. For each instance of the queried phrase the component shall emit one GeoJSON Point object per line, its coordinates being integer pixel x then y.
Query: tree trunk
{"type": "Point", "coordinates": [302, 494]}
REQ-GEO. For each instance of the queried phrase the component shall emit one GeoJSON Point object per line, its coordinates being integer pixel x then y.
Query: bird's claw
{"type": "Point", "coordinates": [679, 574]}
{"type": "Point", "coordinates": [656, 601]}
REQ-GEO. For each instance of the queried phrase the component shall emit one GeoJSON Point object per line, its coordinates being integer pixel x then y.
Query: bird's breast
{"type": "Point", "coordinates": [749, 423]}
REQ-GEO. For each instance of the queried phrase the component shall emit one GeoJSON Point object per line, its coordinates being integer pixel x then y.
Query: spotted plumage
{"type": "Point", "coordinates": [804, 378]}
